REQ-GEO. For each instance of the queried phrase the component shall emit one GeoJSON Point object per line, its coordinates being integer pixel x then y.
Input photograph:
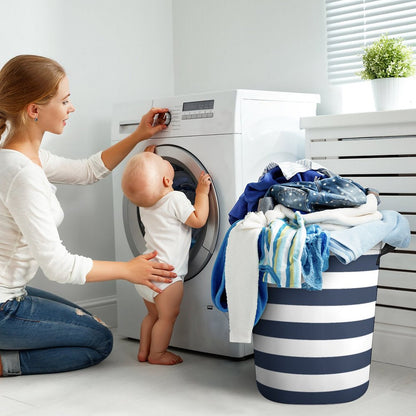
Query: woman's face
{"type": "Point", "coordinates": [52, 116]}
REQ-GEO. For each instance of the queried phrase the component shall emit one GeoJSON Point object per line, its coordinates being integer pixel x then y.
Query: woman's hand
{"type": "Point", "coordinates": [139, 270]}
{"type": "Point", "coordinates": [147, 128]}
{"type": "Point", "coordinates": [117, 152]}
{"type": "Point", "coordinates": [145, 272]}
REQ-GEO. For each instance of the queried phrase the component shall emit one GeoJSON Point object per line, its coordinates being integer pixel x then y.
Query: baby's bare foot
{"type": "Point", "coordinates": [142, 356]}
{"type": "Point", "coordinates": [165, 358]}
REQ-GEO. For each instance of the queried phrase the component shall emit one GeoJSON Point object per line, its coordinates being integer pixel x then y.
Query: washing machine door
{"type": "Point", "coordinates": [187, 170]}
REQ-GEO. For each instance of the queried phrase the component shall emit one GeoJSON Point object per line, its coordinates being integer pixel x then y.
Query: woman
{"type": "Point", "coordinates": [39, 332]}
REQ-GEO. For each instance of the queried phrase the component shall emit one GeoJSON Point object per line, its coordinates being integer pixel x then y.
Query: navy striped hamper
{"type": "Point", "coordinates": [314, 347]}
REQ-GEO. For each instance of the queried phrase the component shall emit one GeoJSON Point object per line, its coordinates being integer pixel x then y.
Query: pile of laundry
{"type": "Point", "coordinates": [283, 229]}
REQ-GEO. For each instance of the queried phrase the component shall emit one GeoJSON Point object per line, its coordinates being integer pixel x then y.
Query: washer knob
{"type": "Point", "coordinates": [162, 118]}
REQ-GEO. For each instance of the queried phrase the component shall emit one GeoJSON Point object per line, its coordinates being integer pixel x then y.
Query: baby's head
{"type": "Point", "coordinates": [146, 178]}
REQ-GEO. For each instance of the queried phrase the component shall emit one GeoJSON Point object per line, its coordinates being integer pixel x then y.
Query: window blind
{"type": "Point", "coordinates": [355, 24]}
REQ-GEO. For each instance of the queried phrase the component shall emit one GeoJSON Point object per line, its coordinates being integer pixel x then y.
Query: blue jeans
{"type": "Point", "coordinates": [43, 333]}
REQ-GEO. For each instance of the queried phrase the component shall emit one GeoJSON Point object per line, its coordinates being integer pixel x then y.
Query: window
{"type": "Point", "coordinates": [354, 24]}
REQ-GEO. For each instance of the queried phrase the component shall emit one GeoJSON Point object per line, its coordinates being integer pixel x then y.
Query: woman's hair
{"type": "Point", "coordinates": [26, 79]}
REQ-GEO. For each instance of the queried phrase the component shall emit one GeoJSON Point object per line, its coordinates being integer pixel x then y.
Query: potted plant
{"type": "Point", "coordinates": [387, 63]}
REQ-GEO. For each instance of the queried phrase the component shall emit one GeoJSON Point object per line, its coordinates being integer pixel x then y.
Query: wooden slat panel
{"type": "Point", "coordinates": [400, 261]}
{"type": "Point", "coordinates": [368, 147]}
{"type": "Point", "coordinates": [382, 166]}
{"type": "Point", "coordinates": [412, 222]}
{"type": "Point", "coordinates": [394, 316]}
{"type": "Point", "coordinates": [392, 278]}
{"type": "Point", "coordinates": [412, 245]}
{"type": "Point", "coordinates": [388, 184]}
{"type": "Point", "coordinates": [411, 248]}
{"type": "Point", "coordinates": [401, 298]}
{"type": "Point", "coordinates": [399, 203]}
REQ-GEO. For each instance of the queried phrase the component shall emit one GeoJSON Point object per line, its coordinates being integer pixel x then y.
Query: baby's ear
{"type": "Point", "coordinates": [167, 181]}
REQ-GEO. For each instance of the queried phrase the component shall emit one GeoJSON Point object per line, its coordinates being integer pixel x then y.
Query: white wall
{"type": "Point", "coordinates": [120, 50]}
{"type": "Point", "coordinates": [255, 44]}
{"type": "Point", "coordinates": [112, 52]}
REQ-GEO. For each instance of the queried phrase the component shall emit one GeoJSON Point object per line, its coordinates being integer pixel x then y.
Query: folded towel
{"type": "Point", "coordinates": [393, 229]}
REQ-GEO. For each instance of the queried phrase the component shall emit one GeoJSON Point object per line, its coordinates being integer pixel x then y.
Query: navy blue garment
{"type": "Point", "coordinates": [249, 199]}
{"type": "Point", "coordinates": [311, 196]}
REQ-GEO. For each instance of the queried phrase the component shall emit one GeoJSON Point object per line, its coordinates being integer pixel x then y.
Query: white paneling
{"type": "Point", "coordinates": [398, 279]}
{"type": "Point", "coordinates": [384, 166]}
{"type": "Point", "coordinates": [371, 146]}
{"type": "Point", "coordinates": [378, 150]}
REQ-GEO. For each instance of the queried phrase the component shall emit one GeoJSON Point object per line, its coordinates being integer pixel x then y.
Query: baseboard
{"type": "Point", "coordinates": [105, 308]}
{"type": "Point", "coordinates": [394, 344]}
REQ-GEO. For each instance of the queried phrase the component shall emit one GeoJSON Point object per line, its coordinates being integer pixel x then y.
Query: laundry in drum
{"type": "Point", "coordinates": [184, 182]}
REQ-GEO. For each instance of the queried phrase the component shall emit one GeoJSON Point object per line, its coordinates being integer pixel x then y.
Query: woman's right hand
{"type": "Point", "coordinates": [139, 270]}
{"type": "Point", "coordinates": [144, 271]}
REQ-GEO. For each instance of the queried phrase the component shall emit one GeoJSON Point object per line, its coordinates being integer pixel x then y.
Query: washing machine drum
{"type": "Point", "coordinates": [187, 169]}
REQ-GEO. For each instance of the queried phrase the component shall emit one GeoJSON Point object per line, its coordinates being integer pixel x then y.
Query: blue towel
{"type": "Point", "coordinates": [315, 258]}
{"type": "Point", "coordinates": [393, 229]}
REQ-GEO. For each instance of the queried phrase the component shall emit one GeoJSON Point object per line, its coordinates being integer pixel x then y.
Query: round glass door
{"type": "Point", "coordinates": [187, 169]}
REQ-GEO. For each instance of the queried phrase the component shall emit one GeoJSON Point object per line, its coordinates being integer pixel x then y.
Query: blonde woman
{"type": "Point", "coordinates": [39, 332]}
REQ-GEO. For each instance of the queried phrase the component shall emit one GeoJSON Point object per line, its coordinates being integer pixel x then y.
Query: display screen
{"type": "Point", "coordinates": [198, 105]}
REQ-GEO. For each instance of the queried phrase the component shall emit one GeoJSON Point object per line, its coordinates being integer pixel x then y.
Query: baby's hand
{"type": "Point", "coordinates": [151, 148]}
{"type": "Point", "coordinates": [204, 183]}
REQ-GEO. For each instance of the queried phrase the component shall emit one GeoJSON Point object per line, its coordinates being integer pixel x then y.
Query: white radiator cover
{"type": "Point", "coordinates": [378, 150]}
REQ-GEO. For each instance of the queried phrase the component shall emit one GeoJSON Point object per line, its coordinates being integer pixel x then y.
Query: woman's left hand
{"type": "Point", "coordinates": [147, 128]}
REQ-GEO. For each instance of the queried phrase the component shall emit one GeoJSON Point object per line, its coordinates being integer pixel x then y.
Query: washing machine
{"type": "Point", "coordinates": [232, 135]}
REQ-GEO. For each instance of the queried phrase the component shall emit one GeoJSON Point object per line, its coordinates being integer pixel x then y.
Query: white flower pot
{"type": "Point", "coordinates": [392, 93]}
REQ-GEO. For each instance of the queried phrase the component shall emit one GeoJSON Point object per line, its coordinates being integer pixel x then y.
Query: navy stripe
{"type": "Point", "coordinates": [326, 297]}
{"type": "Point", "coordinates": [362, 264]}
{"type": "Point", "coordinates": [312, 365]}
{"type": "Point", "coordinates": [300, 330]}
{"type": "Point", "coordinates": [327, 397]}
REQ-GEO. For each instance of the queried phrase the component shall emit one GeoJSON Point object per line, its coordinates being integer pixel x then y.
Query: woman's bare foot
{"type": "Point", "coordinates": [164, 358]}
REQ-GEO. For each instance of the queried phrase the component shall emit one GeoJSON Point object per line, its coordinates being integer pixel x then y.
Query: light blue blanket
{"type": "Point", "coordinates": [347, 245]}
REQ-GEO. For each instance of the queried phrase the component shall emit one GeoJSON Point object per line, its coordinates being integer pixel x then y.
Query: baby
{"type": "Point", "coordinates": [168, 217]}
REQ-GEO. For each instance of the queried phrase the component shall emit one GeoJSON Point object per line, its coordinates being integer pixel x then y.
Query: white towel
{"type": "Point", "coordinates": [340, 218]}
{"type": "Point", "coordinates": [241, 271]}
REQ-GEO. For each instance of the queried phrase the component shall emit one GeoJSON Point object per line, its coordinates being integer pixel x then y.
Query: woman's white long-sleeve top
{"type": "Point", "coordinates": [30, 214]}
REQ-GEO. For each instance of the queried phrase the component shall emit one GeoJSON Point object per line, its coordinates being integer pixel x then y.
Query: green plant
{"type": "Point", "coordinates": [387, 58]}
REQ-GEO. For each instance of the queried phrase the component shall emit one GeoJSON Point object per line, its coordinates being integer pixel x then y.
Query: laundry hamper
{"type": "Point", "coordinates": [314, 347]}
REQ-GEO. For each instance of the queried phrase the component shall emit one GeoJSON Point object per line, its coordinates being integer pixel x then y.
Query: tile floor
{"type": "Point", "coordinates": [202, 385]}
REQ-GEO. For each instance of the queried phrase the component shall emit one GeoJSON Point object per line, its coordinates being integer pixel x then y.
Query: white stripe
{"type": "Point", "coordinates": [312, 348]}
{"type": "Point", "coordinates": [319, 314]}
{"type": "Point", "coordinates": [349, 280]}
{"type": "Point", "coordinates": [344, 280]}
{"type": "Point", "coordinates": [312, 383]}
